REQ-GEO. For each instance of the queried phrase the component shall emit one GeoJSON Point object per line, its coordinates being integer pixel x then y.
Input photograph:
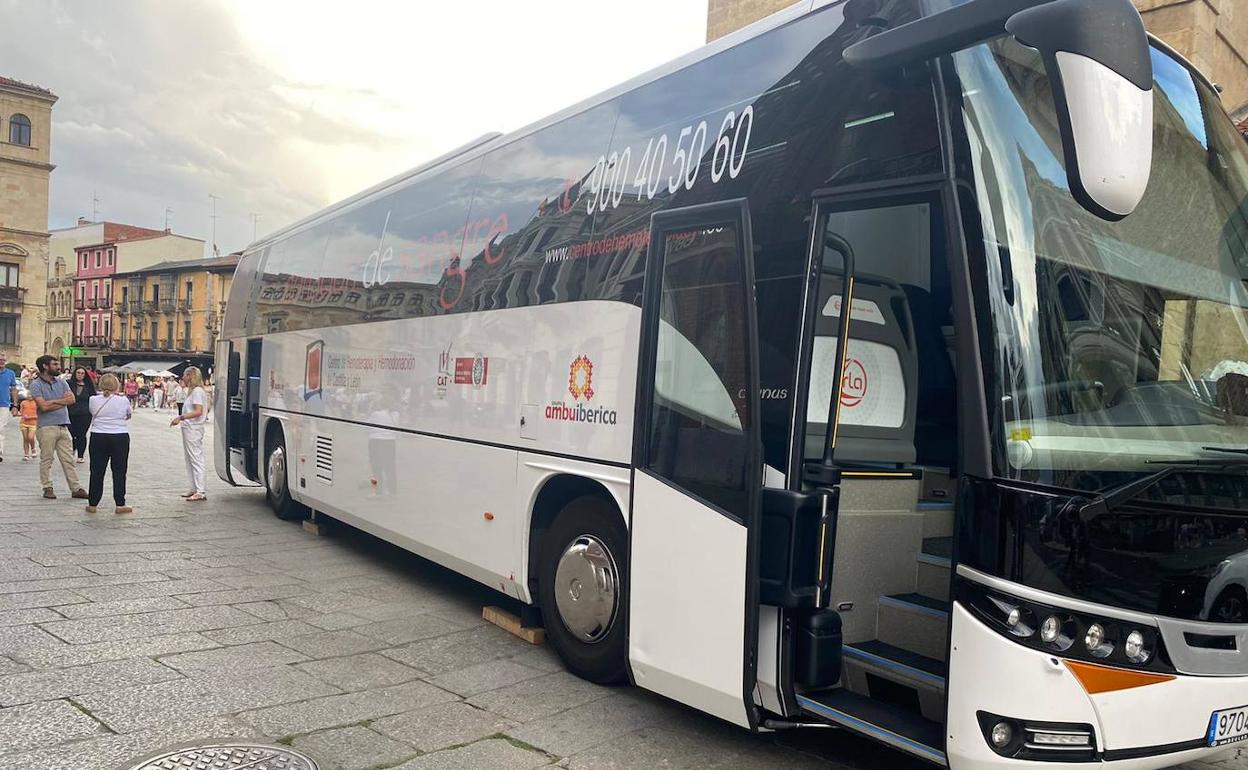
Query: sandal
{"type": "Point", "coordinates": [124, 509]}
{"type": "Point", "coordinates": [197, 497]}
{"type": "Point", "coordinates": [185, 495]}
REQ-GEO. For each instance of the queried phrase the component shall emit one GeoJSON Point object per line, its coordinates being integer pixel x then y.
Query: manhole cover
{"type": "Point", "coordinates": [229, 756]}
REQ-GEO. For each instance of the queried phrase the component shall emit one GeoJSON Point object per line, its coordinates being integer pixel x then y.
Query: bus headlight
{"type": "Point", "coordinates": [1050, 629]}
{"type": "Point", "coordinates": [1096, 643]}
{"type": "Point", "coordinates": [1135, 648]}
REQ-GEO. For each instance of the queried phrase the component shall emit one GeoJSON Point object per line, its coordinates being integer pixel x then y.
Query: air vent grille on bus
{"type": "Point", "coordinates": [236, 403]}
{"type": "Point", "coordinates": [325, 458]}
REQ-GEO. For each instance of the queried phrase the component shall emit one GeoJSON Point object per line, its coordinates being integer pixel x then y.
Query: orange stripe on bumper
{"type": "Point", "coordinates": [1097, 679]}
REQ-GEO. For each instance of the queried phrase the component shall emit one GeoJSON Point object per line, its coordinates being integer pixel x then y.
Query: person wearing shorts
{"type": "Point", "coordinates": [29, 416]}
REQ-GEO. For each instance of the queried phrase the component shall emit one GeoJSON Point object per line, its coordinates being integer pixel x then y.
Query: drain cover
{"type": "Point", "coordinates": [229, 756]}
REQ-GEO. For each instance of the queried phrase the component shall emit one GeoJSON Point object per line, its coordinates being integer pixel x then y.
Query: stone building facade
{"type": "Point", "coordinates": [1213, 34]}
{"type": "Point", "coordinates": [25, 171]}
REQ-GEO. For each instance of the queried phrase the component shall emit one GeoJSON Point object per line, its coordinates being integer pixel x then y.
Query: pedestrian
{"type": "Point", "coordinates": [179, 395]}
{"type": "Point", "coordinates": [28, 423]}
{"type": "Point", "coordinates": [191, 419]}
{"type": "Point", "coordinates": [80, 412]}
{"type": "Point", "coordinates": [54, 397]}
{"type": "Point", "coordinates": [110, 443]}
{"type": "Point", "coordinates": [132, 390]}
{"type": "Point", "coordinates": [158, 394]}
{"type": "Point", "coordinates": [8, 397]}
{"type": "Point", "coordinates": [144, 392]}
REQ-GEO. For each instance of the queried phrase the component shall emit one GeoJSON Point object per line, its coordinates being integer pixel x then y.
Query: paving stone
{"type": "Point", "coordinates": [485, 676]}
{"type": "Point", "coordinates": [352, 748]}
{"type": "Point", "coordinates": [360, 672]}
{"type": "Point", "coordinates": [137, 708]}
{"type": "Point", "coordinates": [44, 724]}
{"type": "Point", "coordinates": [331, 602]}
{"type": "Point", "coordinates": [337, 621]}
{"type": "Point", "coordinates": [120, 607]}
{"type": "Point", "coordinates": [63, 655]}
{"type": "Point", "coordinates": [244, 595]}
{"type": "Point", "coordinates": [91, 581]}
{"type": "Point", "coordinates": [39, 599]}
{"type": "Point", "coordinates": [10, 666]}
{"type": "Point", "coordinates": [147, 624]}
{"type": "Point", "coordinates": [536, 698]}
{"type": "Point", "coordinates": [340, 710]}
{"type": "Point", "coordinates": [271, 610]}
{"type": "Point", "coordinates": [596, 722]}
{"type": "Point", "coordinates": [258, 580]}
{"type": "Point", "coordinates": [25, 569]}
{"type": "Point", "coordinates": [19, 642]}
{"type": "Point", "coordinates": [407, 630]}
{"type": "Point", "coordinates": [157, 586]}
{"type": "Point", "coordinates": [443, 725]}
{"type": "Point", "coordinates": [458, 650]}
{"type": "Point", "coordinates": [332, 644]}
{"type": "Point", "coordinates": [243, 656]}
{"type": "Point", "coordinates": [496, 754]}
{"type": "Point", "coordinates": [111, 752]}
{"type": "Point", "coordinates": [262, 632]}
{"type": "Point", "coordinates": [28, 616]}
{"type": "Point", "coordinates": [78, 680]}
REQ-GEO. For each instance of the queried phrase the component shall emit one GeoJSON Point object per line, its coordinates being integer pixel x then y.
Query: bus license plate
{"type": "Point", "coordinates": [1228, 726]}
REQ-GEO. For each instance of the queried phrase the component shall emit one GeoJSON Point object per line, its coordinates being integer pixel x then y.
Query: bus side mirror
{"type": "Point", "coordinates": [1097, 58]}
{"type": "Point", "coordinates": [231, 374]}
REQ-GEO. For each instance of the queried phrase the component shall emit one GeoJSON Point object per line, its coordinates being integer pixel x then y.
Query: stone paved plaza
{"type": "Point", "coordinates": [187, 622]}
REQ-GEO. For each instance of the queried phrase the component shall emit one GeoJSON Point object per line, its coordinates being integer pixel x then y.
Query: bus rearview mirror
{"type": "Point", "coordinates": [1097, 57]}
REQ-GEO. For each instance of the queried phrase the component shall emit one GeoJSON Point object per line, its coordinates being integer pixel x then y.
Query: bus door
{"type": "Point", "coordinates": [693, 608]}
{"type": "Point", "coordinates": [243, 403]}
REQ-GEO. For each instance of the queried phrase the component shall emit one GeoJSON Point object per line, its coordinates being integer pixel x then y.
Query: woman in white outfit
{"type": "Point", "coordinates": [194, 412]}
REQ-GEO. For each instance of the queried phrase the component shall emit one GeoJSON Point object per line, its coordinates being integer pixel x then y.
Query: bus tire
{"type": "Point", "coordinates": [277, 480]}
{"type": "Point", "coordinates": [585, 549]}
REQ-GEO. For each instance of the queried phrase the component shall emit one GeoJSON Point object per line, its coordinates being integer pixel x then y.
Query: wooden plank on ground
{"type": "Point", "coordinates": [511, 624]}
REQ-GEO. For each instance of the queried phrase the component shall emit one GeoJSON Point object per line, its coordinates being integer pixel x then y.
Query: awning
{"type": "Point", "coordinates": [138, 367]}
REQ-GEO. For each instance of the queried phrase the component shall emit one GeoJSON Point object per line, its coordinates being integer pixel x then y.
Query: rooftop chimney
{"type": "Point", "coordinates": [83, 221]}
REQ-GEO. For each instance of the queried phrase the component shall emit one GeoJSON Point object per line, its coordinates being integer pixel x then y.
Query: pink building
{"type": "Point", "coordinates": [124, 247]}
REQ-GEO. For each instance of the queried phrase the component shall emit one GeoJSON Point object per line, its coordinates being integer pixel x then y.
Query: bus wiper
{"type": "Point", "coordinates": [1113, 497]}
{"type": "Point", "coordinates": [1228, 449]}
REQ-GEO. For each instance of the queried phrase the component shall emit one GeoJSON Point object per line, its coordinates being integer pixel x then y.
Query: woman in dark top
{"type": "Point", "coordinates": [80, 413]}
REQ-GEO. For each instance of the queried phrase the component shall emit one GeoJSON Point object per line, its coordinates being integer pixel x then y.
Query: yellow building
{"type": "Point", "coordinates": [25, 170]}
{"type": "Point", "coordinates": [170, 312]}
{"type": "Point", "coordinates": [1212, 34]}
{"type": "Point", "coordinates": [58, 330]}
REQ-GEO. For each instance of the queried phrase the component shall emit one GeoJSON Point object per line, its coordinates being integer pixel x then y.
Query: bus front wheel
{"type": "Point", "coordinates": [583, 589]}
{"type": "Point", "coordinates": [277, 480]}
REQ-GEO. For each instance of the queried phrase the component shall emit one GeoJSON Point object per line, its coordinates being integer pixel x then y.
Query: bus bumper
{"type": "Point", "coordinates": [1153, 726]}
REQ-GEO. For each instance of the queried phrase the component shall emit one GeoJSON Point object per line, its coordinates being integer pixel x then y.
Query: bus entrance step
{"type": "Point", "coordinates": [898, 664]}
{"type": "Point", "coordinates": [896, 726]}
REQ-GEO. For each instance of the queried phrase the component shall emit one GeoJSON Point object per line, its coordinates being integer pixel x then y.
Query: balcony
{"type": "Point", "coordinates": [184, 345]}
{"type": "Point", "coordinates": [92, 341]}
{"type": "Point", "coordinates": [153, 306]}
{"type": "Point", "coordinates": [166, 344]}
{"type": "Point", "coordinates": [137, 307]}
{"type": "Point", "coordinates": [168, 305]}
{"type": "Point", "coordinates": [80, 304]}
{"type": "Point", "coordinates": [184, 306]}
{"type": "Point", "coordinates": [122, 308]}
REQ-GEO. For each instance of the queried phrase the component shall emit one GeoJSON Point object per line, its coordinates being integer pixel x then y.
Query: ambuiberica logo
{"type": "Point", "coordinates": [581, 388]}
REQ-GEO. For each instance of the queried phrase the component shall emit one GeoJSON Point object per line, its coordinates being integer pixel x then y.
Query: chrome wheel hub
{"type": "Point", "coordinates": [277, 472]}
{"type": "Point", "coordinates": [587, 588]}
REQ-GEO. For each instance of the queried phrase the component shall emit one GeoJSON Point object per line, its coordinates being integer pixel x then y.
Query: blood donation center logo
{"type": "Point", "coordinates": [581, 388]}
{"type": "Point", "coordinates": [853, 383]}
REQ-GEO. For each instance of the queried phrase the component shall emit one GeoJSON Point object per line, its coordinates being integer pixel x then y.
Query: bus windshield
{"type": "Point", "coordinates": [1119, 346]}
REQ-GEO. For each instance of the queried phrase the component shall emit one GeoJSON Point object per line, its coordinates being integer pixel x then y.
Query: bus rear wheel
{"type": "Point", "coordinates": [277, 480]}
{"type": "Point", "coordinates": [583, 589]}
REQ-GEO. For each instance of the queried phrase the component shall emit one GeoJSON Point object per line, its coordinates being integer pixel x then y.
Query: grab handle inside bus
{"type": "Point", "coordinates": [1097, 58]}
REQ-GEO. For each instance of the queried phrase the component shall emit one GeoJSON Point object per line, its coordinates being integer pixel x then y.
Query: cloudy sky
{"type": "Point", "coordinates": [282, 107]}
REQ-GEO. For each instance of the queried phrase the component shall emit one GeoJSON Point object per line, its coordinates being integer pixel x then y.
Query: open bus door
{"type": "Point", "coordinates": [236, 454]}
{"type": "Point", "coordinates": [693, 608]}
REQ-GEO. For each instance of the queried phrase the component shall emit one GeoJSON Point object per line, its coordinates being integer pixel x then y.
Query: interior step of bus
{"type": "Point", "coordinates": [884, 721]}
{"type": "Point", "coordinates": [933, 571]}
{"type": "Point", "coordinates": [913, 622]}
{"type": "Point", "coordinates": [895, 676]}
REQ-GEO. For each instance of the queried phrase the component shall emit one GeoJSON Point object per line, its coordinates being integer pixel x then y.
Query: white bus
{"type": "Point", "coordinates": [883, 365]}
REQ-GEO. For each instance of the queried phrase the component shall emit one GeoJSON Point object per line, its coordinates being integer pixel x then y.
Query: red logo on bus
{"type": "Point", "coordinates": [581, 378]}
{"type": "Point", "coordinates": [853, 383]}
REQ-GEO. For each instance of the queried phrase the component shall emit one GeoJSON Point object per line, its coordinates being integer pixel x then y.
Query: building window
{"type": "Point", "coordinates": [98, 257]}
{"type": "Point", "coordinates": [19, 130]}
{"type": "Point", "coordinates": [108, 329]}
{"type": "Point", "coordinates": [110, 257]}
{"type": "Point", "coordinates": [169, 332]}
{"type": "Point", "coordinates": [8, 330]}
{"type": "Point", "coordinates": [95, 290]}
{"type": "Point", "coordinates": [108, 292]}
{"type": "Point", "coordinates": [95, 326]}
{"type": "Point", "coordinates": [155, 292]}
{"type": "Point", "coordinates": [189, 287]}
{"type": "Point", "coordinates": [81, 325]}
{"type": "Point", "coordinates": [155, 326]}
{"type": "Point", "coordinates": [186, 334]}
{"type": "Point", "coordinates": [8, 275]}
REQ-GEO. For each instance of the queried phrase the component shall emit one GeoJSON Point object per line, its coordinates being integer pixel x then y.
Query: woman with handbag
{"type": "Point", "coordinates": [110, 443]}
